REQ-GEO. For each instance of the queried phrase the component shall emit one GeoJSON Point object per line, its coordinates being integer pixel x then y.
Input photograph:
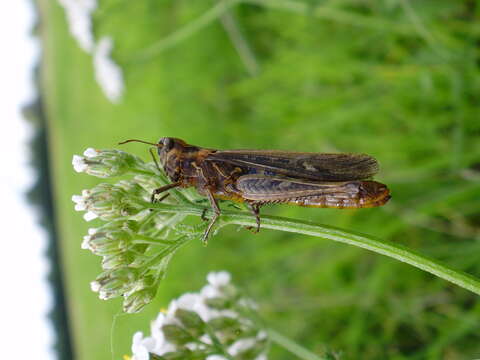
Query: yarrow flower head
{"type": "Point", "coordinates": [109, 202]}
{"type": "Point", "coordinates": [216, 323]}
{"type": "Point", "coordinates": [106, 163]}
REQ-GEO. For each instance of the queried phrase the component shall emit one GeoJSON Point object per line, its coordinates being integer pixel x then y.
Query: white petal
{"type": "Point", "coordinates": [95, 286]}
{"type": "Point", "coordinates": [78, 163]}
{"type": "Point", "coordinates": [219, 279]}
{"type": "Point", "coordinates": [261, 357]}
{"type": "Point", "coordinates": [188, 301]}
{"type": "Point", "coordinates": [80, 207]}
{"type": "Point", "coordinates": [139, 350]}
{"type": "Point", "coordinates": [262, 335]}
{"type": "Point", "coordinates": [209, 291]}
{"type": "Point", "coordinates": [77, 198]}
{"type": "Point", "coordinates": [241, 345]}
{"type": "Point", "coordinates": [86, 242]}
{"type": "Point", "coordinates": [165, 348]}
{"type": "Point", "coordinates": [90, 216]}
{"type": "Point", "coordinates": [90, 152]}
{"type": "Point", "coordinates": [216, 357]}
{"type": "Point", "coordinates": [206, 339]}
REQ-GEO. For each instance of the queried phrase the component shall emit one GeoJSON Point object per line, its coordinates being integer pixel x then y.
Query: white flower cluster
{"type": "Point", "coordinates": [81, 205]}
{"type": "Point", "coordinates": [80, 162]}
{"type": "Point", "coordinates": [246, 337]}
{"type": "Point", "coordinates": [107, 73]}
{"type": "Point", "coordinates": [106, 163]}
{"type": "Point", "coordinates": [79, 17]}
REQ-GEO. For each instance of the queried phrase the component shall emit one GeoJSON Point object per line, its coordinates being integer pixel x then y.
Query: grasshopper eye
{"type": "Point", "coordinates": [167, 143]}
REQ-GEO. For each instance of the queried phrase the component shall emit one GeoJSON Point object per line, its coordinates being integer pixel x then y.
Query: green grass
{"type": "Point", "coordinates": [407, 97]}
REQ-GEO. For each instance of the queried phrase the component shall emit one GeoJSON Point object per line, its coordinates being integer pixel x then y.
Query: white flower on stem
{"type": "Point", "coordinates": [79, 164]}
{"type": "Point", "coordinates": [91, 153]}
{"type": "Point", "coordinates": [216, 357]}
{"type": "Point", "coordinates": [107, 73]}
{"type": "Point", "coordinates": [79, 18]}
{"type": "Point", "coordinates": [87, 238]}
{"type": "Point", "coordinates": [182, 328]}
{"type": "Point", "coordinates": [95, 286]}
{"type": "Point", "coordinates": [142, 347]}
{"type": "Point", "coordinates": [209, 292]}
{"type": "Point", "coordinates": [218, 279]}
{"type": "Point", "coordinates": [241, 345]}
{"type": "Point", "coordinates": [89, 216]}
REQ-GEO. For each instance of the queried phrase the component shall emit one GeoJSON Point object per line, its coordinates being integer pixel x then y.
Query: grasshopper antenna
{"type": "Point", "coordinates": [136, 140]}
{"type": "Point", "coordinates": [151, 150]}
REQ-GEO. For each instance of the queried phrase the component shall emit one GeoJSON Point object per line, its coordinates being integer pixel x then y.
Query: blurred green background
{"type": "Point", "coordinates": [396, 79]}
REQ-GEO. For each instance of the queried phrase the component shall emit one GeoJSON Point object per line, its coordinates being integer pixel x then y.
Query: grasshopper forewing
{"type": "Point", "coordinates": [259, 177]}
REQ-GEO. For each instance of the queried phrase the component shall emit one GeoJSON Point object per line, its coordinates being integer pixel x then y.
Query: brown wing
{"type": "Point", "coordinates": [301, 165]}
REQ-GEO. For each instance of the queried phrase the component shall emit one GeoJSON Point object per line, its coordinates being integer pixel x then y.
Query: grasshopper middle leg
{"type": "Point", "coordinates": [216, 214]}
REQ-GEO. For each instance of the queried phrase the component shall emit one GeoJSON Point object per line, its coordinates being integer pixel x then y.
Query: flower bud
{"type": "Point", "coordinates": [106, 163]}
{"type": "Point", "coordinates": [136, 301]}
{"type": "Point", "coordinates": [108, 202]}
{"type": "Point", "coordinates": [113, 283]}
{"type": "Point", "coordinates": [116, 261]}
{"type": "Point", "coordinates": [107, 243]}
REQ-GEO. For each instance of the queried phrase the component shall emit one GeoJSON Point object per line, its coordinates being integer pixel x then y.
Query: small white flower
{"type": "Point", "coordinates": [162, 346]}
{"type": "Point", "coordinates": [216, 357]}
{"type": "Point", "coordinates": [86, 242]}
{"type": "Point", "coordinates": [218, 279]}
{"type": "Point", "coordinates": [241, 345]}
{"type": "Point", "coordinates": [262, 335]}
{"type": "Point", "coordinates": [79, 164]}
{"type": "Point", "coordinates": [79, 201]}
{"type": "Point", "coordinates": [107, 73]}
{"type": "Point", "coordinates": [88, 216]}
{"type": "Point", "coordinates": [90, 152]}
{"type": "Point", "coordinates": [141, 347]}
{"type": "Point", "coordinates": [95, 286]}
{"type": "Point", "coordinates": [188, 301]}
{"type": "Point", "coordinates": [206, 339]}
{"type": "Point", "coordinates": [103, 295]}
{"type": "Point", "coordinates": [209, 291]}
{"type": "Point", "coordinates": [156, 327]}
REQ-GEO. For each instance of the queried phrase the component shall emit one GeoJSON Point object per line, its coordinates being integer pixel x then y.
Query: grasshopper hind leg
{"type": "Point", "coordinates": [255, 209]}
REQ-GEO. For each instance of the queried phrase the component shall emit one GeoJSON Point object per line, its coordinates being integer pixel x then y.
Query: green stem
{"type": "Point", "coordinates": [391, 249]}
{"type": "Point", "coordinates": [291, 346]}
{"type": "Point", "coordinates": [165, 252]}
{"type": "Point", "coordinates": [143, 239]}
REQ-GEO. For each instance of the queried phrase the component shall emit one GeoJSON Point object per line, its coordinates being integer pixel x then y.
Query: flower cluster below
{"type": "Point", "coordinates": [216, 323]}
